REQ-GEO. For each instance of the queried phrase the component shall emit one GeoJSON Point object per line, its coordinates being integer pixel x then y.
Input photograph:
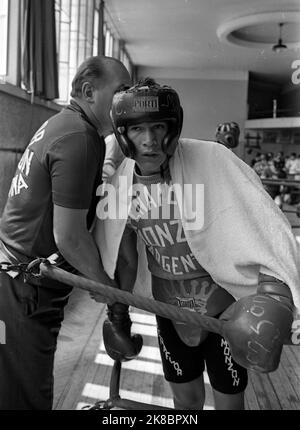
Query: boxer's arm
{"type": "Point", "coordinates": [76, 244]}
{"type": "Point", "coordinates": [127, 263]}
{"type": "Point", "coordinates": [119, 343]}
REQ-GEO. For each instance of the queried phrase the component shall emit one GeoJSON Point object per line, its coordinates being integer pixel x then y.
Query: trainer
{"type": "Point", "coordinates": [49, 209]}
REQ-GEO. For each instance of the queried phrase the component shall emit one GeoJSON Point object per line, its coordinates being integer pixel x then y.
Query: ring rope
{"type": "Point", "coordinates": [287, 182]}
{"type": "Point", "coordinates": [158, 308]}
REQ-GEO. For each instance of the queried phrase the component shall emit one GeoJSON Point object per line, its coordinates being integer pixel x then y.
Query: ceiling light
{"type": "Point", "coordinates": [260, 30]}
{"type": "Point", "coordinates": [279, 47]}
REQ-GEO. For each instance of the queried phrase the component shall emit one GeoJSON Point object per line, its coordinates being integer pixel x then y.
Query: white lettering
{"type": "Point", "coordinates": [193, 219]}
{"type": "Point", "coordinates": [296, 332]}
{"type": "Point", "coordinates": [157, 255]}
{"type": "Point", "coordinates": [39, 134]}
{"type": "Point", "coordinates": [138, 191]}
{"type": "Point", "coordinates": [106, 207]}
{"type": "Point", "coordinates": [21, 183]}
{"type": "Point", "coordinates": [180, 236]}
{"type": "Point", "coordinates": [257, 311]}
{"type": "Point", "coordinates": [175, 265]}
{"type": "Point", "coordinates": [187, 261]}
{"type": "Point", "coordinates": [13, 187]}
{"type": "Point", "coordinates": [168, 358]}
{"type": "Point", "coordinates": [166, 266]}
{"type": "Point", "coordinates": [164, 233]}
{"type": "Point", "coordinates": [261, 323]}
{"type": "Point", "coordinates": [25, 162]}
{"type": "Point", "coordinates": [17, 185]}
{"type": "Point", "coordinates": [228, 360]}
{"type": "Point", "coordinates": [149, 230]}
{"type": "Point", "coordinates": [2, 333]}
{"type": "Point", "coordinates": [296, 73]}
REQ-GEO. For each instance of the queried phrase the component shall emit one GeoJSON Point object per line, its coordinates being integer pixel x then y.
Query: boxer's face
{"type": "Point", "coordinates": [147, 138]}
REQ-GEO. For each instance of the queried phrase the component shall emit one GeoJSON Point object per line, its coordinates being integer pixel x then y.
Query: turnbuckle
{"type": "Point", "coordinates": [25, 268]}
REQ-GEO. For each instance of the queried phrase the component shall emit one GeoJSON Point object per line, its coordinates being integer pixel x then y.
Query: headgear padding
{"type": "Point", "coordinates": [228, 134]}
{"type": "Point", "coordinates": [147, 103]}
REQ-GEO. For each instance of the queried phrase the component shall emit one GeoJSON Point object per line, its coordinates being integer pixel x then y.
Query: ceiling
{"type": "Point", "coordinates": [179, 38]}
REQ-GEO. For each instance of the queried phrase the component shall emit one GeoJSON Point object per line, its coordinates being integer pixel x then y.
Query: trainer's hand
{"type": "Point", "coordinates": [100, 297]}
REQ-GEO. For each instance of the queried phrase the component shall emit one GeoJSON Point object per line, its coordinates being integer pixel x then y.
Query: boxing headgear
{"type": "Point", "coordinates": [147, 103]}
{"type": "Point", "coordinates": [228, 134]}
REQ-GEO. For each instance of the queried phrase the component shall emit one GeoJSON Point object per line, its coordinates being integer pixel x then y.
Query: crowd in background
{"type": "Point", "coordinates": [271, 166]}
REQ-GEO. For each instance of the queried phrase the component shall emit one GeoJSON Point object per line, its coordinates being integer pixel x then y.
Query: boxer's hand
{"type": "Point", "coordinates": [257, 326]}
{"type": "Point", "coordinates": [119, 343]}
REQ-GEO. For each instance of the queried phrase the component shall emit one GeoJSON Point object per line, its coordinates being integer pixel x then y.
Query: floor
{"type": "Point", "coordinates": [83, 369]}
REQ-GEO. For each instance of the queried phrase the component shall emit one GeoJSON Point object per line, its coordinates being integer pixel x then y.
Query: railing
{"type": "Point", "coordinates": [270, 113]}
{"type": "Point", "coordinates": [115, 401]}
{"type": "Point", "coordinates": [287, 183]}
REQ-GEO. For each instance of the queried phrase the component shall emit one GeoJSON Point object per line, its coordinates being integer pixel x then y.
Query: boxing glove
{"type": "Point", "coordinates": [118, 342]}
{"type": "Point", "coordinates": [257, 326]}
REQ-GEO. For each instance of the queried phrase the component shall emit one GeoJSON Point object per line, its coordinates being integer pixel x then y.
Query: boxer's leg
{"type": "Point", "coordinates": [189, 395]}
{"type": "Point", "coordinates": [229, 401]}
{"type": "Point", "coordinates": [183, 367]}
{"type": "Point", "coordinates": [228, 379]}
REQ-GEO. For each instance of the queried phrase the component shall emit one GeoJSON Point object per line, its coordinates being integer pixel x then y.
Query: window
{"type": "Point", "coordinates": [109, 42]}
{"type": "Point", "coordinates": [63, 28]}
{"type": "Point", "coordinates": [96, 31]}
{"type": "Point", "coordinates": [75, 39]}
{"type": "Point", "coordinates": [78, 27]}
{"type": "Point", "coordinates": [114, 45]}
{"type": "Point", "coordinates": [126, 60]}
{"type": "Point", "coordinates": [3, 37]}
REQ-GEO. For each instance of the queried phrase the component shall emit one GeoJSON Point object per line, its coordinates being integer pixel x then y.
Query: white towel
{"type": "Point", "coordinates": [244, 233]}
{"type": "Point", "coordinates": [113, 157]}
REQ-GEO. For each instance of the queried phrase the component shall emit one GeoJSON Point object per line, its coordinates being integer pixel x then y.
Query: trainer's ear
{"type": "Point", "coordinates": [87, 91]}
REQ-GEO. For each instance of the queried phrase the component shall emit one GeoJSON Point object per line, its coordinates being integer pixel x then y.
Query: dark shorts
{"type": "Point", "coordinates": [32, 316]}
{"type": "Point", "coordinates": [182, 363]}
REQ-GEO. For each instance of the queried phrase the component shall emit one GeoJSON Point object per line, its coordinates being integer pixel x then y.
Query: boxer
{"type": "Point", "coordinates": [204, 263]}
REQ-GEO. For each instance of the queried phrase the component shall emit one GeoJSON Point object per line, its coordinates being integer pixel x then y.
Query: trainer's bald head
{"type": "Point", "coordinates": [99, 71]}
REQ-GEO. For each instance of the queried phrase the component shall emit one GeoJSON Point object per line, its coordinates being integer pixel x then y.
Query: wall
{"type": "Point", "coordinates": [19, 119]}
{"type": "Point", "coordinates": [206, 103]}
{"type": "Point", "coordinates": [260, 98]}
{"type": "Point", "coordinates": [262, 92]}
{"type": "Point", "coordinates": [290, 100]}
